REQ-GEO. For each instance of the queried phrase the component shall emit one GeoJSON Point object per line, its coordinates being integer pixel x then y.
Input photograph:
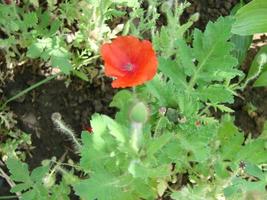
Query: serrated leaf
{"type": "Point", "coordinates": [224, 108]}
{"type": "Point", "coordinates": [19, 171]}
{"type": "Point", "coordinates": [100, 129]}
{"type": "Point", "coordinates": [184, 53]}
{"type": "Point", "coordinates": [20, 187]}
{"type": "Point", "coordinates": [55, 26]}
{"type": "Point", "coordinates": [120, 98]}
{"type": "Point", "coordinates": [155, 87]}
{"type": "Point", "coordinates": [212, 50]}
{"type": "Point", "coordinates": [86, 147]}
{"type": "Point", "coordinates": [39, 172]}
{"type": "Point", "coordinates": [115, 129]}
{"type": "Point", "coordinates": [29, 195]}
{"type": "Point", "coordinates": [247, 152]}
{"type": "Point", "coordinates": [251, 18]}
{"type": "Point", "coordinates": [216, 94]}
{"type": "Point", "coordinates": [156, 144]}
{"type": "Point", "coordinates": [30, 19]}
{"type": "Point", "coordinates": [100, 186]}
{"type": "Point", "coordinates": [60, 59]}
{"type": "Point", "coordinates": [171, 70]}
{"type": "Point", "coordinates": [138, 170]}
{"type": "Point", "coordinates": [37, 48]}
{"type": "Point", "coordinates": [143, 189]}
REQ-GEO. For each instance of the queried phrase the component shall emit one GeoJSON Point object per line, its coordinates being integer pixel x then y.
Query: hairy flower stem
{"type": "Point", "coordinates": [64, 128]}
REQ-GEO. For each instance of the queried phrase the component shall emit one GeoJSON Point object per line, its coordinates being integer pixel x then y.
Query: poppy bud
{"type": "Point", "coordinates": [139, 113]}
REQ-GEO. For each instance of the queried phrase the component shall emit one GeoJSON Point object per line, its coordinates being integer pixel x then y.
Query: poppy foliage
{"type": "Point", "coordinates": [129, 60]}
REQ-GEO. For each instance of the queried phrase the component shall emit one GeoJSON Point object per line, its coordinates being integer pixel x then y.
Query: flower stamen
{"type": "Point", "coordinates": [128, 67]}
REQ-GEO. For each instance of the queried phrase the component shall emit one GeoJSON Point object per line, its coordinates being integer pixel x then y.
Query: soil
{"type": "Point", "coordinates": [77, 102]}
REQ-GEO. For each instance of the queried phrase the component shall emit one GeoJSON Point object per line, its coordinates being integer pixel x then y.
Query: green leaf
{"type": "Point", "coordinates": [60, 59]}
{"type": "Point", "coordinates": [216, 94]}
{"type": "Point", "coordinates": [212, 50]}
{"type": "Point", "coordinates": [224, 108]}
{"type": "Point", "coordinates": [55, 27]}
{"type": "Point", "coordinates": [99, 129]}
{"type": "Point", "coordinates": [251, 19]}
{"type": "Point", "coordinates": [86, 147]}
{"type": "Point", "coordinates": [115, 129]}
{"type": "Point", "coordinates": [19, 171]}
{"type": "Point", "coordinates": [261, 81]}
{"type": "Point", "coordinates": [30, 19]}
{"type": "Point", "coordinates": [242, 44]}
{"type": "Point", "coordinates": [60, 192]}
{"type": "Point", "coordinates": [171, 70]}
{"type": "Point", "coordinates": [100, 186]}
{"type": "Point", "coordinates": [254, 170]}
{"type": "Point", "coordinates": [20, 187]}
{"type": "Point", "coordinates": [29, 195]}
{"type": "Point", "coordinates": [120, 98]}
{"type": "Point", "coordinates": [80, 74]}
{"type": "Point", "coordinates": [143, 189]}
{"type": "Point", "coordinates": [184, 54]}
{"type": "Point", "coordinates": [156, 144]}
{"type": "Point", "coordinates": [37, 48]}
{"type": "Point", "coordinates": [255, 67]}
{"type": "Point", "coordinates": [39, 172]}
{"type": "Point", "coordinates": [247, 152]}
{"type": "Point", "coordinates": [139, 170]}
{"type": "Point", "coordinates": [156, 88]}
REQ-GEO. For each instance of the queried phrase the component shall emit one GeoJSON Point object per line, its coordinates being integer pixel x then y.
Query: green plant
{"type": "Point", "coordinates": [47, 33]}
{"type": "Point", "coordinates": [164, 141]}
{"type": "Point", "coordinates": [13, 142]}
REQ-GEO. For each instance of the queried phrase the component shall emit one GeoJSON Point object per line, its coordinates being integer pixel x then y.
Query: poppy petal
{"type": "Point", "coordinates": [130, 60]}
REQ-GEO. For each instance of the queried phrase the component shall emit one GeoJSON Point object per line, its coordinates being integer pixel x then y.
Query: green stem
{"type": "Point", "coordinates": [29, 89]}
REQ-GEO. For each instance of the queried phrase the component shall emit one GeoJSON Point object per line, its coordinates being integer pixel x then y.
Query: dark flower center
{"type": "Point", "coordinates": [128, 67]}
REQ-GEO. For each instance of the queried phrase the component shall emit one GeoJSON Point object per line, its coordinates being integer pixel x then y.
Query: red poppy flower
{"type": "Point", "coordinates": [130, 60]}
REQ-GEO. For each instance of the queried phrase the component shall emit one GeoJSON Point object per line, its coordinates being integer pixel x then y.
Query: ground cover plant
{"type": "Point", "coordinates": [173, 134]}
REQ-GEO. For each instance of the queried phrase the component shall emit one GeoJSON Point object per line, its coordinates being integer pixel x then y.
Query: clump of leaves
{"type": "Point", "coordinates": [13, 142]}
{"type": "Point", "coordinates": [38, 184]}
{"type": "Point", "coordinates": [65, 35]}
